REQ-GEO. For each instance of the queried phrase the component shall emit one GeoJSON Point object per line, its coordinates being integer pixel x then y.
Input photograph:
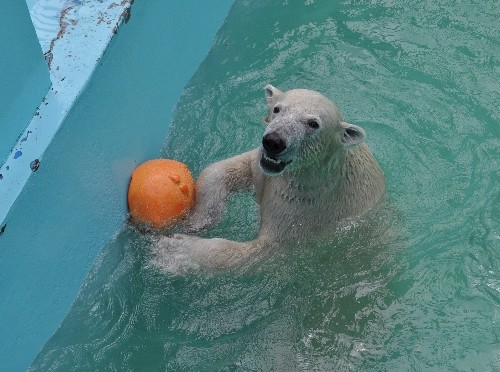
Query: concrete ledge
{"type": "Point", "coordinates": [74, 203]}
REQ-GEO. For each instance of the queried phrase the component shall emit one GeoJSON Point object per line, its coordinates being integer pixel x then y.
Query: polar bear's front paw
{"type": "Point", "coordinates": [196, 222]}
{"type": "Point", "coordinates": [177, 243]}
{"type": "Point", "coordinates": [173, 254]}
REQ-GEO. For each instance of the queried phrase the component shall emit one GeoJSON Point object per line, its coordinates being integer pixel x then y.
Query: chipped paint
{"type": "Point", "coordinates": [76, 201]}
{"type": "Point", "coordinates": [73, 36]}
{"type": "Point", "coordinates": [34, 165]}
{"type": "Point", "coordinates": [24, 78]}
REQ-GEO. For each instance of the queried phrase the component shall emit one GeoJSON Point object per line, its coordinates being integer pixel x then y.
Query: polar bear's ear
{"type": "Point", "coordinates": [351, 135]}
{"type": "Point", "coordinates": [271, 93]}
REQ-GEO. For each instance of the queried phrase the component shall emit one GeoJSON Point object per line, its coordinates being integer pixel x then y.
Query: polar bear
{"type": "Point", "coordinates": [311, 171]}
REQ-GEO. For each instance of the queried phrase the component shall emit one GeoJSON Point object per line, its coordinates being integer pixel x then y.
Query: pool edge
{"type": "Point", "coordinates": [75, 202]}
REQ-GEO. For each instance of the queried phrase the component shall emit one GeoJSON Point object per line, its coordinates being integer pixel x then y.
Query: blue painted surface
{"type": "Point", "coordinates": [76, 200]}
{"type": "Point", "coordinates": [24, 75]}
{"type": "Point", "coordinates": [74, 35]}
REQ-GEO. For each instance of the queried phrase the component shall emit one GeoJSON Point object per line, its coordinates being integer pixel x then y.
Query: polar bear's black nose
{"type": "Point", "coordinates": [273, 144]}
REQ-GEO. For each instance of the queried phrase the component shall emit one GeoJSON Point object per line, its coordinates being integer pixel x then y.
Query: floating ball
{"type": "Point", "coordinates": [161, 192]}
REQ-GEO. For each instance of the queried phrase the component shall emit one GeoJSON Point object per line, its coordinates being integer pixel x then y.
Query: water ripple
{"type": "Point", "coordinates": [421, 293]}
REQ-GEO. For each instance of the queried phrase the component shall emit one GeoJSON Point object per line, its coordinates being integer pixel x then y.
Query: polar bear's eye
{"type": "Point", "coordinates": [276, 109]}
{"type": "Point", "coordinates": [313, 123]}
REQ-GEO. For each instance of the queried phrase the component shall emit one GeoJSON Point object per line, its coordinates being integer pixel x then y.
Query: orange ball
{"type": "Point", "coordinates": [161, 192]}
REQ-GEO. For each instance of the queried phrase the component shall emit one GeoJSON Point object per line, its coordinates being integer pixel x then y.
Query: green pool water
{"type": "Point", "coordinates": [416, 286]}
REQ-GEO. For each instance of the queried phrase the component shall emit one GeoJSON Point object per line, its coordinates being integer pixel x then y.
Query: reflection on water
{"type": "Point", "coordinates": [416, 288]}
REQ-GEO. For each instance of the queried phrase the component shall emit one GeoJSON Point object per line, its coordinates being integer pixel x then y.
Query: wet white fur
{"type": "Point", "coordinates": [332, 176]}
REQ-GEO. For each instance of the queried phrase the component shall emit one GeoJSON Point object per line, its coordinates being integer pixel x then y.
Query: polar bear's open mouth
{"type": "Point", "coordinates": [272, 165]}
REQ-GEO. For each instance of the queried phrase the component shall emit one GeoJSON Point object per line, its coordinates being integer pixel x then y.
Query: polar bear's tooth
{"type": "Point", "coordinates": [275, 161]}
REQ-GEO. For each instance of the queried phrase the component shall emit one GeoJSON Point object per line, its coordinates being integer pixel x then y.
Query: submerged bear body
{"type": "Point", "coordinates": [312, 171]}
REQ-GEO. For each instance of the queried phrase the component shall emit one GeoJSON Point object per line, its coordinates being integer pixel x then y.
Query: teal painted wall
{"type": "Point", "coordinates": [76, 201]}
{"type": "Point", "coordinates": [24, 76]}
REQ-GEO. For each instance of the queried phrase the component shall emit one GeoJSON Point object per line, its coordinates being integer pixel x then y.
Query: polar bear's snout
{"type": "Point", "coordinates": [273, 148]}
{"type": "Point", "coordinates": [273, 144]}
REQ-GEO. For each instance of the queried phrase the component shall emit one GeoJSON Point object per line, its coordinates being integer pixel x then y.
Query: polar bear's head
{"type": "Point", "coordinates": [304, 129]}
